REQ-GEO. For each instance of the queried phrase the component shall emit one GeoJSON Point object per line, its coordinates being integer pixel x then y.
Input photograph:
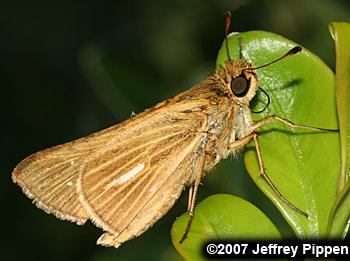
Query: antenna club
{"type": "Point", "coordinates": [295, 50]}
{"type": "Point", "coordinates": [227, 22]}
{"type": "Point", "coordinates": [227, 26]}
{"type": "Point", "coordinates": [228, 15]}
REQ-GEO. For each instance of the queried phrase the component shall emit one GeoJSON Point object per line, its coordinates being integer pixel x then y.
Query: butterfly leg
{"type": "Point", "coordinates": [263, 173]}
{"type": "Point", "coordinates": [287, 122]}
{"type": "Point", "coordinates": [192, 197]}
{"type": "Point", "coordinates": [190, 193]}
{"type": "Point", "coordinates": [241, 142]}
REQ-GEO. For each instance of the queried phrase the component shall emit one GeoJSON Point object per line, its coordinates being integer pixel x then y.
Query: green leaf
{"type": "Point", "coordinates": [341, 34]}
{"type": "Point", "coordinates": [221, 216]}
{"type": "Point", "coordinates": [339, 218]}
{"type": "Point", "coordinates": [304, 165]}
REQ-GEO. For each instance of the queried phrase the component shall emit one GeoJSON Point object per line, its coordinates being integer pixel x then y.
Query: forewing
{"type": "Point", "coordinates": [49, 177]}
{"type": "Point", "coordinates": [126, 177]}
{"type": "Point", "coordinates": [120, 180]}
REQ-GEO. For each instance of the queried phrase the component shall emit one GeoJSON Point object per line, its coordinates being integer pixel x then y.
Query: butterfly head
{"type": "Point", "coordinates": [240, 75]}
{"type": "Point", "coordinates": [240, 81]}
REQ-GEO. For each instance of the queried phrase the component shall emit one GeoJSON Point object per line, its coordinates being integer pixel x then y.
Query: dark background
{"type": "Point", "coordinates": [67, 70]}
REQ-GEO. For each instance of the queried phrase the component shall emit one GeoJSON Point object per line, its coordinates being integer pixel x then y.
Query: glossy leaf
{"type": "Point", "coordinates": [304, 165]}
{"type": "Point", "coordinates": [339, 219]}
{"type": "Point", "coordinates": [221, 216]}
{"type": "Point", "coordinates": [341, 35]}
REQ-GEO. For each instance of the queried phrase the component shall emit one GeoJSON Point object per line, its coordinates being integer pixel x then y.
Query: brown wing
{"type": "Point", "coordinates": [120, 180]}
{"type": "Point", "coordinates": [49, 177]}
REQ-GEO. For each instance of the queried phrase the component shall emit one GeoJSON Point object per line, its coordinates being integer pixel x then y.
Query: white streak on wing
{"type": "Point", "coordinates": [126, 177]}
{"type": "Point", "coordinates": [153, 189]}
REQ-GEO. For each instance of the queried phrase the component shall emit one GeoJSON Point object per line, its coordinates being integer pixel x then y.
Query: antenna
{"type": "Point", "coordinates": [292, 51]}
{"type": "Point", "coordinates": [227, 26]}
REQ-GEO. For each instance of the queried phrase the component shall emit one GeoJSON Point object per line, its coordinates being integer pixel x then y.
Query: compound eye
{"type": "Point", "coordinates": [240, 86]}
